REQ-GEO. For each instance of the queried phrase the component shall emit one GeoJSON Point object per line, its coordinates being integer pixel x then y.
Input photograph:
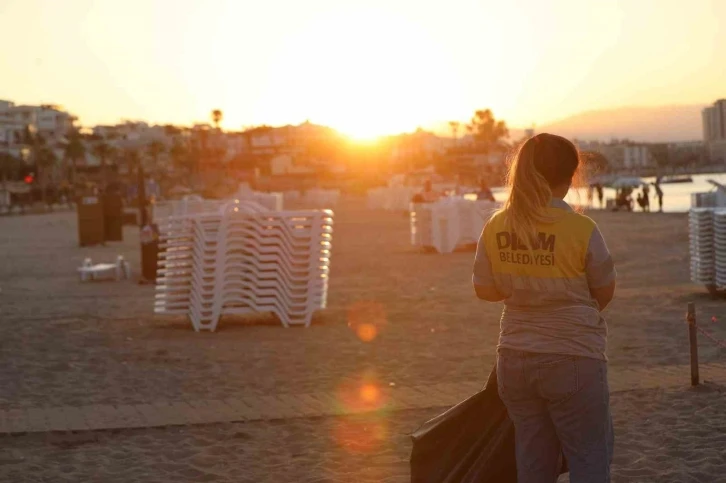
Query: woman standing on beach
{"type": "Point", "coordinates": [551, 268]}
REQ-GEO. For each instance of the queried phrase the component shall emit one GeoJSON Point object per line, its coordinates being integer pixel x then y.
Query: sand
{"type": "Point", "coordinates": [68, 343]}
{"type": "Point", "coordinates": [669, 437]}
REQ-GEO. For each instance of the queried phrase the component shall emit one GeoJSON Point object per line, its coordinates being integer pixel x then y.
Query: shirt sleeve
{"type": "Point", "coordinates": [599, 266]}
{"type": "Point", "coordinates": [482, 266]}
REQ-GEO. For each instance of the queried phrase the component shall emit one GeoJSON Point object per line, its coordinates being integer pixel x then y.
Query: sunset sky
{"type": "Point", "coordinates": [366, 67]}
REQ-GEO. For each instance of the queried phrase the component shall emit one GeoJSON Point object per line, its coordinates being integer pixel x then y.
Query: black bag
{"type": "Point", "coordinates": [471, 442]}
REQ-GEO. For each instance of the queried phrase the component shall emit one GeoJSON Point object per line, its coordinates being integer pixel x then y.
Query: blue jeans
{"type": "Point", "coordinates": [559, 405]}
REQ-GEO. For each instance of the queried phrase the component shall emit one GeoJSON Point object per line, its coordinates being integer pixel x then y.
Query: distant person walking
{"type": "Point", "coordinates": [644, 198]}
{"type": "Point", "coordinates": [659, 194]}
{"type": "Point", "coordinates": [646, 195]}
{"type": "Point", "coordinates": [552, 269]}
{"type": "Point", "coordinates": [600, 195]}
{"type": "Point", "coordinates": [590, 190]}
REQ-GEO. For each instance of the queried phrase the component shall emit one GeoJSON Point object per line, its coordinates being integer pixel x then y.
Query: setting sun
{"type": "Point", "coordinates": [365, 72]}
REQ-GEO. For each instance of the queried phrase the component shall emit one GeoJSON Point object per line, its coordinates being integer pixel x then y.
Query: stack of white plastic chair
{"type": "Point", "coordinates": [247, 259]}
{"type": "Point", "coordinates": [449, 223]}
{"type": "Point", "coordinates": [471, 221]}
{"type": "Point", "coordinates": [701, 226]}
{"type": "Point", "coordinates": [446, 231]}
{"type": "Point", "coordinates": [719, 246]}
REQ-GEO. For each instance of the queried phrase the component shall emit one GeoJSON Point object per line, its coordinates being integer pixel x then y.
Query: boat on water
{"type": "Point", "coordinates": [676, 179]}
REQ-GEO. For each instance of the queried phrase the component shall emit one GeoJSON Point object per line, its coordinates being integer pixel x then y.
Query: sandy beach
{"type": "Point", "coordinates": [396, 317]}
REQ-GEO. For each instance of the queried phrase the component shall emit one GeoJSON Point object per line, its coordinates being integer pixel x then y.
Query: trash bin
{"type": "Point", "coordinates": [149, 252]}
{"type": "Point", "coordinates": [90, 221]}
{"type": "Point", "coordinates": [113, 217]}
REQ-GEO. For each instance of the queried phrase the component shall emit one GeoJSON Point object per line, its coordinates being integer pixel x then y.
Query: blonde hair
{"type": "Point", "coordinates": [540, 164]}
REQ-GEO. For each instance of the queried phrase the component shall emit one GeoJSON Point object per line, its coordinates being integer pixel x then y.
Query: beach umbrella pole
{"type": "Point", "coordinates": [141, 196]}
{"type": "Point", "coordinates": [693, 343]}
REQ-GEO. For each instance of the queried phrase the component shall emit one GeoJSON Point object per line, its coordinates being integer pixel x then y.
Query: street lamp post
{"type": "Point", "coordinates": [143, 216]}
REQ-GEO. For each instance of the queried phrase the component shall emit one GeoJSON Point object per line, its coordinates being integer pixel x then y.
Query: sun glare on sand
{"type": "Point", "coordinates": [366, 73]}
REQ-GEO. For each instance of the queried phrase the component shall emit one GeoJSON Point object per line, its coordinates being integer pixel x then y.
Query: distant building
{"type": "Point", "coordinates": [637, 156]}
{"type": "Point", "coordinates": [621, 155]}
{"type": "Point", "coordinates": [11, 137]}
{"type": "Point", "coordinates": [717, 151]}
{"type": "Point", "coordinates": [689, 152]}
{"type": "Point", "coordinates": [16, 122]}
{"type": "Point", "coordinates": [714, 131]}
{"type": "Point", "coordinates": [284, 164]}
{"type": "Point", "coordinates": [133, 132]}
{"type": "Point", "coordinates": [50, 120]}
{"type": "Point", "coordinates": [714, 121]}
{"type": "Point", "coordinates": [419, 148]}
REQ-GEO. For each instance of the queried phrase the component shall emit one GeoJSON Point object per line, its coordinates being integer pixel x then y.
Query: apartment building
{"type": "Point", "coordinates": [714, 121]}
{"type": "Point", "coordinates": [637, 156]}
{"type": "Point", "coordinates": [714, 130]}
{"type": "Point", "coordinates": [621, 155]}
{"type": "Point", "coordinates": [50, 120]}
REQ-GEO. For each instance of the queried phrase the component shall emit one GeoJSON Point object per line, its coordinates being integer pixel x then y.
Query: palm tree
{"type": "Point", "coordinates": [154, 150]}
{"type": "Point", "coordinates": [74, 151]}
{"type": "Point", "coordinates": [103, 152]}
{"type": "Point", "coordinates": [180, 156]}
{"type": "Point", "coordinates": [454, 125]}
{"type": "Point", "coordinates": [488, 133]}
{"type": "Point", "coordinates": [42, 156]}
{"type": "Point", "coordinates": [217, 117]}
{"type": "Point", "coordinates": [132, 159]}
{"type": "Point", "coordinates": [44, 161]}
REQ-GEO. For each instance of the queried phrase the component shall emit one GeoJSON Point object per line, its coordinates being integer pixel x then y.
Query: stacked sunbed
{"type": "Point", "coordinates": [701, 243]}
{"type": "Point", "coordinates": [244, 259]}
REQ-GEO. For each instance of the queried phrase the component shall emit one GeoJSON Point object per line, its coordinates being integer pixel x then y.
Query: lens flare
{"type": "Point", "coordinates": [370, 394]}
{"type": "Point", "coordinates": [365, 428]}
{"type": "Point", "coordinates": [366, 332]}
{"type": "Point", "coordinates": [363, 394]}
{"type": "Point", "coordinates": [366, 318]}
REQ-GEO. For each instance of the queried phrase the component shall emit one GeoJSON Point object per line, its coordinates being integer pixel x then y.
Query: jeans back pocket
{"type": "Point", "coordinates": [557, 378]}
{"type": "Point", "coordinates": [511, 379]}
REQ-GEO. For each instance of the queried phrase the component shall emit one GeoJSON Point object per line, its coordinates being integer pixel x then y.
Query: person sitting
{"type": "Point", "coordinates": [484, 192]}
{"type": "Point", "coordinates": [623, 200]}
{"type": "Point", "coordinates": [428, 195]}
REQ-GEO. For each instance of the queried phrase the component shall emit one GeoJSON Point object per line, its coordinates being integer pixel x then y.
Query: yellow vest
{"type": "Point", "coordinates": [560, 250]}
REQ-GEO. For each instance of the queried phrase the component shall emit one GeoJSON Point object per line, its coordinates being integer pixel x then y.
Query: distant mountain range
{"type": "Point", "coordinates": [645, 124]}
